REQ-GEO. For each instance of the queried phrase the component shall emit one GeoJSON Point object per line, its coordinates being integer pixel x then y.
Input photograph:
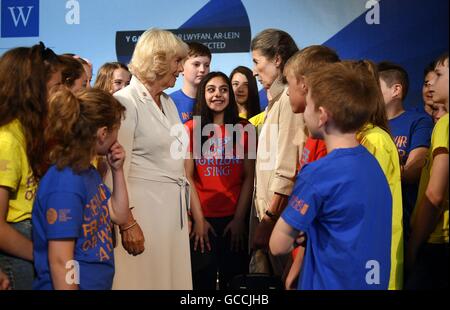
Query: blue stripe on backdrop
{"type": "Point", "coordinates": [219, 13]}
{"type": "Point", "coordinates": [411, 33]}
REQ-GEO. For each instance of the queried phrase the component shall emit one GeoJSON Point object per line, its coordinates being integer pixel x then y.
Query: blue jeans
{"type": "Point", "coordinates": [19, 271]}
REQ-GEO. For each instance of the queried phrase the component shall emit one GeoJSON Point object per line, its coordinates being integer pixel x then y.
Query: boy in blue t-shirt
{"type": "Point", "coordinates": [411, 132]}
{"type": "Point", "coordinates": [341, 202]}
{"type": "Point", "coordinates": [195, 68]}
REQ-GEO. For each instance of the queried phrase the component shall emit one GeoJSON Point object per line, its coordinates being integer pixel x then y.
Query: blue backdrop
{"type": "Point", "coordinates": [409, 32]}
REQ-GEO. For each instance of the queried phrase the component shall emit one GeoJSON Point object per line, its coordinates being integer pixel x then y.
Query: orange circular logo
{"type": "Point", "coordinates": [52, 216]}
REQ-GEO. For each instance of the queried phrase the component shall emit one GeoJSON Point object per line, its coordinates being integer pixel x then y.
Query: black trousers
{"type": "Point", "coordinates": [431, 268]}
{"type": "Point", "coordinates": [220, 260]}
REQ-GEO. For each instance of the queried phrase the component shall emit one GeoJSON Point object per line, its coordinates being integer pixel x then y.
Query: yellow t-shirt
{"type": "Point", "coordinates": [243, 115]}
{"type": "Point", "coordinates": [258, 120]}
{"type": "Point", "coordinates": [16, 173]}
{"type": "Point", "coordinates": [439, 139]}
{"type": "Point", "coordinates": [380, 144]}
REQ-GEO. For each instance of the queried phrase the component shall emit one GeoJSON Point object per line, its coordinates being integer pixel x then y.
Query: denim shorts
{"type": "Point", "coordinates": [19, 271]}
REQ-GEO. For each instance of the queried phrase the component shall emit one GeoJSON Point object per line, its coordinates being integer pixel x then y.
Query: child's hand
{"type": "Point", "coordinates": [116, 156]}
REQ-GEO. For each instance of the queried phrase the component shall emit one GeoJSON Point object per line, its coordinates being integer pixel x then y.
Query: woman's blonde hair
{"type": "Point", "coordinates": [153, 53]}
{"type": "Point", "coordinates": [73, 122]}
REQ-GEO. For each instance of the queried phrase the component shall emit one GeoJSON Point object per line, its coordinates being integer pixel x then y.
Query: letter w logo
{"type": "Point", "coordinates": [20, 15]}
{"type": "Point", "coordinates": [20, 18]}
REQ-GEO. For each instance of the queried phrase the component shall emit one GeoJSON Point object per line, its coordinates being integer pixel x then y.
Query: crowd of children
{"type": "Point", "coordinates": [336, 184]}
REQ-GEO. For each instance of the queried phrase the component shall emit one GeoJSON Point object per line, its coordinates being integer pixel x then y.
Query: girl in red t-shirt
{"type": "Point", "coordinates": [220, 169]}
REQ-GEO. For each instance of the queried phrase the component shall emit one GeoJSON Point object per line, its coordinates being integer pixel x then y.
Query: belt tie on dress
{"type": "Point", "coordinates": [158, 176]}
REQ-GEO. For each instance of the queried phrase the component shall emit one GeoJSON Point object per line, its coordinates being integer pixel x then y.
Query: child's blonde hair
{"type": "Point", "coordinates": [310, 59]}
{"type": "Point", "coordinates": [105, 75]}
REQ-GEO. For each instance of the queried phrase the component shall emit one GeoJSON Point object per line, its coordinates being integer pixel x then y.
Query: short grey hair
{"type": "Point", "coordinates": [273, 42]}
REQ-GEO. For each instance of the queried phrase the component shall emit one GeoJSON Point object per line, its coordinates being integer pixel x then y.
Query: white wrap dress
{"type": "Point", "coordinates": [158, 191]}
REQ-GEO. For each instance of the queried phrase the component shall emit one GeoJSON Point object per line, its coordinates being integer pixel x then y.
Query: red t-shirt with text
{"type": "Point", "coordinates": [219, 173]}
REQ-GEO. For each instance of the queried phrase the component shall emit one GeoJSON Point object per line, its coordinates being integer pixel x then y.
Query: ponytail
{"type": "Point", "coordinates": [64, 112]}
{"type": "Point", "coordinates": [23, 95]}
{"type": "Point", "coordinates": [73, 122]}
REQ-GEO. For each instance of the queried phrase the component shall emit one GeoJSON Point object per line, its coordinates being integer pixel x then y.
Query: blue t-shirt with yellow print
{"type": "Point", "coordinates": [410, 130]}
{"type": "Point", "coordinates": [74, 206]}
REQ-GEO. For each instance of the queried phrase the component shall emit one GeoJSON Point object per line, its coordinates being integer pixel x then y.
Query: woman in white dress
{"type": "Point", "coordinates": [156, 180]}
